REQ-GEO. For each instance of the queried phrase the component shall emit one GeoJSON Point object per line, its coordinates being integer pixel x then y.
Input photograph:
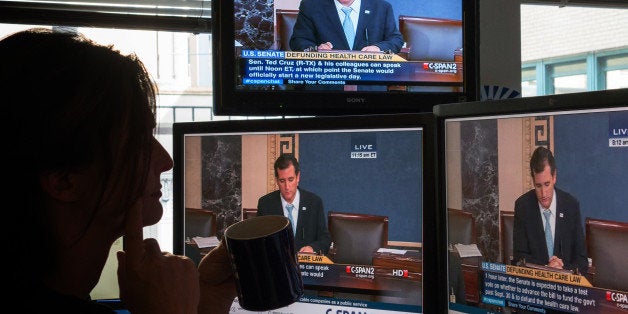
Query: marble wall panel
{"type": "Point", "coordinates": [254, 23]}
{"type": "Point", "coordinates": [480, 193]}
{"type": "Point", "coordinates": [222, 179]}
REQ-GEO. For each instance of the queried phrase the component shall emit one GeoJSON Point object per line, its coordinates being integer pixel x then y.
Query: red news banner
{"type": "Point", "coordinates": [342, 67]}
{"type": "Point", "coordinates": [401, 278]}
{"type": "Point", "coordinates": [539, 289]}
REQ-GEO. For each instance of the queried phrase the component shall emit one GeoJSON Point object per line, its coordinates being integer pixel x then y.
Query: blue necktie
{"type": "Point", "coordinates": [548, 233]}
{"type": "Point", "coordinates": [289, 208]}
{"type": "Point", "coordinates": [347, 26]}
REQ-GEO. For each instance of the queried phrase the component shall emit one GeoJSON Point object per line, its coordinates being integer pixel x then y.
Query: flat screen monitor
{"type": "Point", "coordinates": [363, 168]}
{"type": "Point", "coordinates": [510, 263]}
{"type": "Point", "coordinates": [268, 58]}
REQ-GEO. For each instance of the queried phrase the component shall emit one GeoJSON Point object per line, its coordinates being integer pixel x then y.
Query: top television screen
{"type": "Point", "coordinates": [416, 53]}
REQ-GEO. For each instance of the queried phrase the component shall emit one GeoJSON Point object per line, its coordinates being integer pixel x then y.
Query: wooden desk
{"type": "Point", "coordinates": [412, 260]}
{"type": "Point", "coordinates": [470, 267]}
{"type": "Point", "coordinates": [464, 276]}
{"type": "Point", "coordinates": [194, 252]}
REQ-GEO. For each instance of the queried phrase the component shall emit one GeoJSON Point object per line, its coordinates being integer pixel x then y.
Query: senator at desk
{"type": "Point", "coordinates": [320, 22]}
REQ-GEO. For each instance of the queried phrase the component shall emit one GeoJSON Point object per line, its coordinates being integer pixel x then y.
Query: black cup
{"type": "Point", "coordinates": [266, 269]}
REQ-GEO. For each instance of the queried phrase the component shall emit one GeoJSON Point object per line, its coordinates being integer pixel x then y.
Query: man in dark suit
{"type": "Point", "coordinates": [304, 208]}
{"type": "Point", "coordinates": [547, 226]}
{"type": "Point", "coordinates": [320, 25]}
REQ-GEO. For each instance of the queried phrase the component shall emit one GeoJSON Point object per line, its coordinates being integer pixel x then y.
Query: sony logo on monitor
{"type": "Point", "coordinates": [356, 100]}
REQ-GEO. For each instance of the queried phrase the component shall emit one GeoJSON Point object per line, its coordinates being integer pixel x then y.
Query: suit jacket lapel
{"type": "Point", "coordinates": [303, 203]}
{"type": "Point", "coordinates": [539, 221]}
{"type": "Point", "coordinates": [560, 225]}
{"type": "Point", "coordinates": [538, 237]}
{"type": "Point", "coordinates": [277, 206]}
{"type": "Point", "coordinates": [332, 15]}
{"type": "Point", "coordinates": [366, 9]}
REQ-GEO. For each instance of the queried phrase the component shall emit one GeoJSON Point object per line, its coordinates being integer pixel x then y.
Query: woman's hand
{"type": "Point", "coordinates": [218, 288]}
{"type": "Point", "coordinates": [152, 281]}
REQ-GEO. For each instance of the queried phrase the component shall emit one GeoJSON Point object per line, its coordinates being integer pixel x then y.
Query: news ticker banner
{"type": "Point", "coordinates": [537, 290]}
{"type": "Point", "coordinates": [320, 270]}
{"type": "Point", "coordinates": [273, 67]}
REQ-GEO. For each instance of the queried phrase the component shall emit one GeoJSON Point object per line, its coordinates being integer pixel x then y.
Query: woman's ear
{"type": "Point", "coordinates": [59, 185]}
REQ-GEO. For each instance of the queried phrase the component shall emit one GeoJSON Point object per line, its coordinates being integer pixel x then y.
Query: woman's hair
{"type": "Point", "coordinates": [71, 104]}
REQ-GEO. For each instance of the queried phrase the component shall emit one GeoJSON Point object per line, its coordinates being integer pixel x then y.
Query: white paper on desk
{"type": "Point", "coordinates": [206, 241]}
{"type": "Point", "coordinates": [392, 251]}
{"type": "Point", "coordinates": [468, 250]}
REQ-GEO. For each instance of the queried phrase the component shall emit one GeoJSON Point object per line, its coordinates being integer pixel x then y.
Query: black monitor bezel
{"type": "Point", "coordinates": [514, 106]}
{"type": "Point", "coordinates": [327, 123]}
{"type": "Point", "coordinates": [228, 101]}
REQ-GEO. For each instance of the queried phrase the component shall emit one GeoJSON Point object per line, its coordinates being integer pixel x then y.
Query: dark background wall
{"type": "Point", "coordinates": [389, 185]}
{"type": "Point", "coordinates": [597, 175]}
